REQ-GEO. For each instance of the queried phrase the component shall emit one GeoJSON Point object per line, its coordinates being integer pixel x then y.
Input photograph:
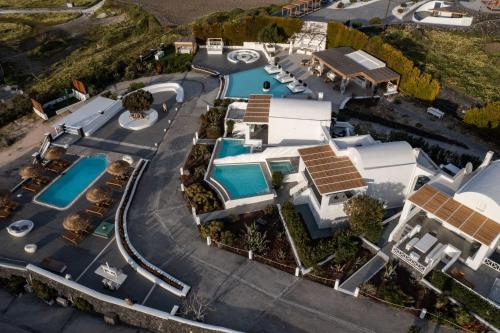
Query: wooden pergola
{"type": "Point", "coordinates": [299, 8]}
{"type": "Point", "coordinates": [185, 45]}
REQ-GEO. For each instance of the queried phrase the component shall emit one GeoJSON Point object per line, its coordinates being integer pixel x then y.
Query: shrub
{"type": "Point", "coordinates": [16, 107]}
{"type": "Point", "coordinates": [346, 247]}
{"type": "Point", "coordinates": [255, 240]}
{"type": "Point", "coordinates": [466, 297]}
{"type": "Point", "coordinates": [14, 284]}
{"type": "Point", "coordinates": [365, 215]}
{"type": "Point", "coordinates": [135, 86]}
{"type": "Point", "coordinates": [484, 117]}
{"type": "Point", "coordinates": [272, 33]}
{"type": "Point", "coordinates": [403, 5]}
{"type": "Point", "coordinates": [269, 210]}
{"type": "Point", "coordinates": [203, 200]}
{"type": "Point", "coordinates": [213, 132]}
{"type": "Point", "coordinates": [375, 20]}
{"type": "Point", "coordinates": [138, 102]}
{"type": "Point", "coordinates": [227, 238]}
{"type": "Point", "coordinates": [230, 127]}
{"type": "Point", "coordinates": [173, 63]}
{"type": "Point", "coordinates": [43, 291]}
{"type": "Point", "coordinates": [212, 229]}
{"type": "Point", "coordinates": [82, 305]}
{"type": "Point", "coordinates": [414, 329]}
{"type": "Point", "coordinates": [277, 179]}
{"type": "Point", "coordinates": [356, 24]}
{"type": "Point", "coordinates": [400, 10]}
{"type": "Point", "coordinates": [340, 5]}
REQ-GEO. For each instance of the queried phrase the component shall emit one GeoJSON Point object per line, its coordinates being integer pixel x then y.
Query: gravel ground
{"type": "Point", "coordinates": [171, 12]}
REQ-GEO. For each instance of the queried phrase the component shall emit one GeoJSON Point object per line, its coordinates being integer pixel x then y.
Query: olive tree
{"type": "Point", "coordinates": [137, 103]}
{"type": "Point", "coordinates": [365, 215]}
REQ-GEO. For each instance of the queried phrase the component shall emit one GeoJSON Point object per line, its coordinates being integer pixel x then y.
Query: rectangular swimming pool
{"type": "Point", "coordinates": [285, 167]}
{"type": "Point", "coordinates": [232, 147]}
{"type": "Point", "coordinates": [69, 186]}
{"type": "Point", "coordinates": [241, 180]}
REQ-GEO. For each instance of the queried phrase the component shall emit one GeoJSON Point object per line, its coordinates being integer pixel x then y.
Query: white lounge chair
{"type": "Point", "coordinates": [296, 87]}
{"type": "Point", "coordinates": [284, 77]}
{"type": "Point", "coordinates": [272, 69]}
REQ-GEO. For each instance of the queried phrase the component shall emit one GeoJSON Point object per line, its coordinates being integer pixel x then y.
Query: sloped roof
{"type": "Point", "coordinates": [449, 210]}
{"type": "Point", "coordinates": [384, 154]}
{"type": "Point", "coordinates": [330, 173]}
{"type": "Point", "coordinates": [257, 109]}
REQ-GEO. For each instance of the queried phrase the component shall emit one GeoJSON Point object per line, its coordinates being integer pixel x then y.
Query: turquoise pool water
{"type": "Point", "coordinates": [71, 184]}
{"type": "Point", "coordinates": [285, 167]}
{"type": "Point", "coordinates": [232, 147]}
{"type": "Point", "coordinates": [241, 180]}
{"type": "Point", "coordinates": [246, 83]}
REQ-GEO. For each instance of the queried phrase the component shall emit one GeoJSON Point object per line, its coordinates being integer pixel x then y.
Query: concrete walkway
{"type": "Point", "coordinates": [243, 294]}
{"type": "Point", "coordinates": [81, 10]}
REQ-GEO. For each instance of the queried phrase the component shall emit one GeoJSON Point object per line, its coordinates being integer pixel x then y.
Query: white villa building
{"type": "Point", "coordinates": [451, 218]}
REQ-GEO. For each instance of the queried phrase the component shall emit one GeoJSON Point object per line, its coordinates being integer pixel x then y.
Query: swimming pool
{"type": "Point", "coordinates": [232, 147]}
{"type": "Point", "coordinates": [285, 167]}
{"type": "Point", "coordinates": [246, 83]}
{"type": "Point", "coordinates": [69, 186]}
{"type": "Point", "coordinates": [241, 180]}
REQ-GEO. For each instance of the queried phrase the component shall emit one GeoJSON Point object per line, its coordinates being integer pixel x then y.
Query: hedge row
{"type": "Point", "coordinates": [242, 29]}
{"type": "Point", "coordinates": [413, 82]}
{"type": "Point", "coordinates": [467, 298]}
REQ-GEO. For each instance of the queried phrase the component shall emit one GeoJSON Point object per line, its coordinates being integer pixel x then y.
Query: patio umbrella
{"type": "Point", "coordinates": [76, 222]}
{"type": "Point", "coordinates": [98, 194]}
{"type": "Point", "coordinates": [30, 171]}
{"type": "Point", "coordinates": [118, 168]}
{"type": "Point", "coordinates": [55, 153]}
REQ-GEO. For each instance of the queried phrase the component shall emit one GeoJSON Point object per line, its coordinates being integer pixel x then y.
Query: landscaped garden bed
{"type": "Point", "coordinates": [197, 193]}
{"type": "Point", "coordinates": [331, 271]}
{"type": "Point", "coordinates": [260, 231]}
{"type": "Point", "coordinates": [396, 286]}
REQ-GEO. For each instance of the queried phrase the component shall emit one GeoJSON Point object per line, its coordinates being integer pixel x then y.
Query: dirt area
{"type": "Point", "coordinates": [169, 12]}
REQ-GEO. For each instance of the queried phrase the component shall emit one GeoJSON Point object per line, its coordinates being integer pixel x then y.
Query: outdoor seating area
{"type": "Point", "coordinates": [300, 8]}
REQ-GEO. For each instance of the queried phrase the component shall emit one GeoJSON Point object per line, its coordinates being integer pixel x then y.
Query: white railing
{"type": "Point", "coordinates": [406, 258]}
{"type": "Point", "coordinates": [492, 264]}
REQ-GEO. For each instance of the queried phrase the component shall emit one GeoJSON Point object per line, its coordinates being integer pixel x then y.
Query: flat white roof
{"type": "Point", "coordinates": [366, 60]}
{"type": "Point", "coordinates": [88, 113]}
{"type": "Point", "coordinates": [303, 109]}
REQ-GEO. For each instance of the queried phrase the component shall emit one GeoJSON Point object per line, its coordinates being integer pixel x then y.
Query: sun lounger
{"type": "Point", "coordinates": [56, 168]}
{"type": "Point", "coordinates": [272, 69]}
{"type": "Point", "coordinates": [43, 180]}
{"type": "Point", "coordinates": [296, 87]}
{"type": "Point", "coordinates": [116, 182]}
{"type": "Point", "coordinates": [73, 237]}
{"type": "Point", "coordinates": [105, 203]}
{"type": "Point", "coordinates": [53, 265]}
{"type": "Point", "coordinates": [284, 77]}
{"type": "Point", "coordinates": [97, 210]}
{"type": "Point", "coordinates": [4, 213]}
{"type": "Point", "coordinates": [35, 188]}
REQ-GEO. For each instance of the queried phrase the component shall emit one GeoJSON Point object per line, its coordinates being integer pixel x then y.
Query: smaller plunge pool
{"type": "Point", "coordinates": [232, 147]}
{"type": "Point", "coordinates": [241, 180]}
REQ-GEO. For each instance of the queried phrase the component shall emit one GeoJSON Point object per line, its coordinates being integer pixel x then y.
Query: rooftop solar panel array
{"type": "Point", "coordinates": [257, 109]}
{"type": "Point", "coordinates": [330, 173]}
{"type": "Point", "coordinates": [447, 209]}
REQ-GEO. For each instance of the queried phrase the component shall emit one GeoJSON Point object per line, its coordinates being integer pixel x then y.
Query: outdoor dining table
{"type": "Point", "coordinates": [425, 243]}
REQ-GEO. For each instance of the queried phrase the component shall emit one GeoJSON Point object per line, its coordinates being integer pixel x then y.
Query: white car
{"type": "Point", "coordinates": [20, 228]}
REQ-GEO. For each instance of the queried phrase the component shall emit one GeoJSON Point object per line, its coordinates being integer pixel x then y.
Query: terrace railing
{"type": "Point", "coordinates": [492, 264]}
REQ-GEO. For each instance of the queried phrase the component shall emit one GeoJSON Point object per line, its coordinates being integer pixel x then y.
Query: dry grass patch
{"type": "Point", "coordinates": [43, 3]}
{"type": "Point", "coordinates": [41, 18]}
{"type": "Point", "coordinates": [11, 31]}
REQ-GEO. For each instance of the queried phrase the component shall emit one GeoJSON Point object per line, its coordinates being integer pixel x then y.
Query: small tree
{"type": "Point", "coordinates": [272, 33]}
{"type": "Point", "coordinates": [254, 239]}
{"type": "Point", "coordinates": [375, 20]}
{"type": "Point", "coordinates": [365, 215]}
{"type": "Point", "coordinates": [277, 179]}
{"type": "Point", "coordinates": [230, 127]}
{"type": "Point", "coordinates": [137, 103]}
{"type": "Point", "coordinates": [196, 306]}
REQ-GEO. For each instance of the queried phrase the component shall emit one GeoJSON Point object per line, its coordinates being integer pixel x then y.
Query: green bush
{"type": "Point", "coordinates": [272, 33]}
{"type": "Point", "coordinates": [174, 63]}
{"type": "Point", "coordinates": [255, 240]}
{"type": "Point", "coordinates": [236, 30]}
{"type": "Point", "coordinates": [375, 20]}
{"type": "Point", "coordinates": [43, 291]}
{"type": "Point", "coordinates": [413, 82]}
{"type": "Point", "coordinates": [466, 297]}
{"type": "Point", "coordinates": [203, 200]}
{"type": "Point", "coordinates": [82, 305]}
{"type": "Point", "coordinates": [230, 127]}
{"type": "Point", "coordinates": [212, 229]}
{"type": "Point", "coordinates": [356, 24]}
{"type": "Point", "coordinates": [277, 179]}
{"type": "Point", "coordinates": [484, 117]}
{"type": "Point", "coordinates": [365, 215]}
{"type": "Point", "coordinates": [135, 86]}
{"type": "Point", "coordinates": [14, 284]}
{"type": "Point", "coordinates": [138, 102]}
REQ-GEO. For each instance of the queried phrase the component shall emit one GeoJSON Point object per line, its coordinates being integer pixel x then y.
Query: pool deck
{"type": "Point", "coordinates": [222, 65]}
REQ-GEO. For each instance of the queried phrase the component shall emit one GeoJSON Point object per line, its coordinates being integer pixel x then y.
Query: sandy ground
{"type": "Point", "coordinates": [170, 12]}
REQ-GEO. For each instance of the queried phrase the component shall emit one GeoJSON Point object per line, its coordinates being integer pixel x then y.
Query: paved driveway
{"type": "Point", "coordinates": [244, 295]}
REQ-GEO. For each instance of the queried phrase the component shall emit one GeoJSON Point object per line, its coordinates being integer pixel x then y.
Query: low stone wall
{"type": "Point", "coordinates": [131, 314]}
